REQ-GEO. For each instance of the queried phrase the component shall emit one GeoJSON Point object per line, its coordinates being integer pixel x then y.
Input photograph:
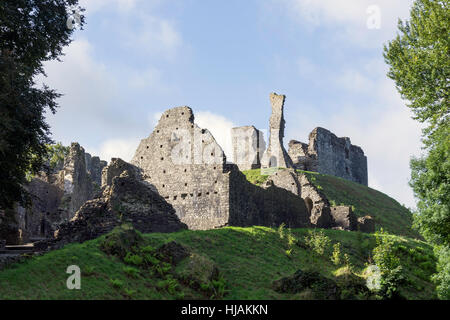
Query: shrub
{"type": "Point", "coordinates": [336, 255]}
{"type": "Point", "coordinates": [116, 283]}
{"type": "Point", "coordinates": [317, 241]}
{"type": "Point", "coordinates": [131, 272]}
{"type": "Point", "coordinates": [384, 255]}
{"type": "Point", "coordinates": [133, 259]}
{"type": "Point", "coordinates": [442, 277]}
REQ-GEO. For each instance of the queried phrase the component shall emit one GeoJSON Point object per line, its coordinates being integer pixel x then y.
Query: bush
{"type": "Point", "coordinates": [391, 272]}
{"type": "Point", "coordinates": [121, 241]}
{"type": "Point", "coordinates": [336, 255]}
{"type": "Point", "coordinates": [317, 241]}
{"type": "Point", "coordinates": [384, 254]}
{"type": "Point", "coordinates": [442, 277]}
{"type": "Point", "coordinates": [133, 259]}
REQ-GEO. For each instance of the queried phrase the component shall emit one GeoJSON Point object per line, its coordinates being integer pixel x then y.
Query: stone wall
{"type": "Point", "coordinates": [126, 200]}
{"type": "Point", "coordinates": [268, 206]}
{"type": "Point", "coordinates": [328, 154]}
{"type": "Point", "coordinates": [337, 156]}
{"type": "Point", "coordinates": [248, 147]}
{"type": "Point", "coordinates": [276, 155]}
{"type": "Point", "coordinates": [301, 159]}
{"type": "Point", "coordinates": [187, 167]}
{"type": "Point", "coordinates": [56, 196]}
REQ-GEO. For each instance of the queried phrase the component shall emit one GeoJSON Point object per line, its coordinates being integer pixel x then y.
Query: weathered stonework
{"type": "Point", "coordinates": [116, 167]}
{"type": "Point", "coordinates": [56, 196]}
{"type": "Point", "coordinates": [126, 200]}
{"type": "Point", "coordinates": [317, 205]}
{"type": "Point", "coordinates": [344, 218]}
{"type": "Point", "coordinates": [188, 168]}
{"type": "Point", "coordinates": [301, 159]}
{"type": "Point", "coordinates": [328, 154]}
{"type": "Point", "coordinates": [276, 155]}
{"type": "Point", "coordinates": [248, 147]}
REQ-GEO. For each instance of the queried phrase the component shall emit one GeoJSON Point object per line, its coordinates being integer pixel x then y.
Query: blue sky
{"type": "Point", "coordinates": [137, 58]}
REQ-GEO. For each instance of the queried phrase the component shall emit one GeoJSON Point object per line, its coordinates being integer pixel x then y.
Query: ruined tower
{"type": "Point", "coordinates": [248, 147]}
{"type": "Point", "coordinates": [276, 155]}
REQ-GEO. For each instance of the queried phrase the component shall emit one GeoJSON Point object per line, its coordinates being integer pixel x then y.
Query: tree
{"type": "Point", "coordinates": [31, 32]}
{"type": "Point", "coordinates": [419, 60]}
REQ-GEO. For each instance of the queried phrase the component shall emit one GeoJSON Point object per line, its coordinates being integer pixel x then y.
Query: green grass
{"type": "Point", "coordinates": [249, 260]}
{"type": "Point", "coordinates": [387, 212]}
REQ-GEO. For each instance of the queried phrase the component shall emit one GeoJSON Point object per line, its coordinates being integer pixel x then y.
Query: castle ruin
{"type": "Point", "coordinates": [182, 179]}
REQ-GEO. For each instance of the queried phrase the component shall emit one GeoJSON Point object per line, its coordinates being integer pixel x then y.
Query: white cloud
{"type": "Point", "coordinates": [382, 127]}
{"type": "Point", "coordinates": [93, 6]}
{"type": "Point", "coordinates": [220, 127]}
{"type": "Point", "coordinates": [116, 148]}
{"type": "Point", "coordinates": [348, 19]}
{"type": "Point", "coordinates": [151, 35]}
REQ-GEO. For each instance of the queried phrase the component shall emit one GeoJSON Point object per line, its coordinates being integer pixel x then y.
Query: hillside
{"type": "Point", "coordinates": [249, 260]}
{"type": "Point", "coordinates": [387, 212]}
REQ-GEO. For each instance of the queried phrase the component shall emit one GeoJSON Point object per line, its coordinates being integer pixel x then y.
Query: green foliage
{"type": "Point", "coordinates": [56, 154]}
{"type": "Point", "coordinates": [32, 32]}
{"type": "Point", "coordinates": [318, 242]}
{"type": "Point", "coordinates": [131, 272]}
{"type": "Point", "coordinates": [386, 259]}
{"type": "Point", "coordinates": [133, 259]}
{"type": "Point", "coordinates": [116, 283]}
{"type": "Point", "coordinates": [254, 176]}
{"type": "Point", "coordinates": [419, 61]}
{"type": "Point", "coordinates": [430, 180]}
{"type": "Point", "coordinates": [384, 254]}
{"type": "Point", "coordinates": [390, 283]}
{"type": "Point", "coordinates": [249, 260]}
{"type": "Point", "coordinates": [336, 255]}
{"type": "Point", "coordinates": [420, 66]}
{"type": "Point", "coordinates": [442, 277]}
{"type": "Point", "coordinates": [121, 241]}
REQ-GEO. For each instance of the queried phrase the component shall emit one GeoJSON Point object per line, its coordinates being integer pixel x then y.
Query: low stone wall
{"type": "Point", "coordinates": [344, 218]}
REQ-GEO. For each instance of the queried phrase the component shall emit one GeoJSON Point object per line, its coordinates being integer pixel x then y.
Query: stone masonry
{"type": "Point", "coordinates": [328, 154]}
{"type": "Point", "coordinates": [188, 169]}
{"type": "Point", "coordinates": [248, 147]}
{"type": "Point", "coordinates": [56, 196]}
{"type": "Point", "coordinates": [276, 155]}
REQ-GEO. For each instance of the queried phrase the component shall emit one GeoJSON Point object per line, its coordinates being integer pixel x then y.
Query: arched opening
{"type": "Point", "coordinates": [273, 162]}
{"type": "Point", "coordinates": [309, 204]}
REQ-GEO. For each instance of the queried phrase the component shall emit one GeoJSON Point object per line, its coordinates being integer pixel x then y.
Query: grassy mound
{"type": "Point", "coordinates": [387, 212]}
{"type": "Point", "coordinates": [229, 263]}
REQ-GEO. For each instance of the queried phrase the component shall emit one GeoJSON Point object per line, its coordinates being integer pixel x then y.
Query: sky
{"type": "Point", "coordinates": [137, 58]}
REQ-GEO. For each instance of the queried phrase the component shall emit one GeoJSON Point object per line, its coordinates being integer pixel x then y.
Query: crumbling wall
{"type": "Point", "coordinates": [268, 206]}
{"type": "Point", "coordinates": [301, 159]}
{"type": "Point", "coordinates": [344, 218]}
{"type": "Point", "coordinates": [187, 167]}
{"type": "Point", "coordinates": [115, 168]}
{"type": "Point", "coordinates": [127, 199]}
{"type": "Point", "coordinates": [248, 147]}
{"type": "Point", "coordinates": [337, 156]}
{"type": "Point", "coordinates": [276, 155]}
{"type": "Point", "coordinates": [316, 204]}
{"type": "Point", "coordinates": [55, 197]}
{"type": "Point", "coordinates": [328, 154]}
